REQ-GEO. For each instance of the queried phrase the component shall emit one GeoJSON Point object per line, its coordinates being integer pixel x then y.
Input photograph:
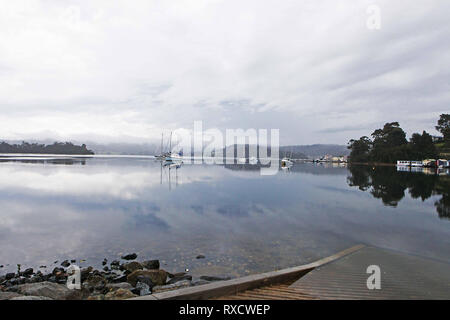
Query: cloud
{"type": "Point", "coordinates": [122, 71]}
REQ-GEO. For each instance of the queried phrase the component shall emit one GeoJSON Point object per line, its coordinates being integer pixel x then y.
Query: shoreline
{"type": "Point", "coordinates": [376, 164]}
{"type": "Point", "coordinates": [119, 279]}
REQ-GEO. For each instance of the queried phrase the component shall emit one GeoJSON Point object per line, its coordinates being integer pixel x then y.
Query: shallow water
{"type": "Point", "coordinates": [242, 222]}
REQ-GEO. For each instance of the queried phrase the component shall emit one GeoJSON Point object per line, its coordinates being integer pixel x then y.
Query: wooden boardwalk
{"type": "Point", "coordinates": [403, 276]}
{"type": "Point", "coordinates": [274, 292]}
{"type": "Point", "coordinates": [340, 276]}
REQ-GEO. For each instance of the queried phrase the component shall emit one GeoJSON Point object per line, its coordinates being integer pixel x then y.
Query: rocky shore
{"type": "Point", "coordinates": [119, 279]}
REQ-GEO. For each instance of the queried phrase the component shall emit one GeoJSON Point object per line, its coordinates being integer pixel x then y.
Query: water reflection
{"type": "Point", "coordinates": [241, 221]}
{"type": "Point", "coordinates": [390, 185]}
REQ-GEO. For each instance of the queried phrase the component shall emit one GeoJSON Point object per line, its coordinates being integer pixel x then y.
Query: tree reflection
{"type": "Point", "coordinates": [390, 185]}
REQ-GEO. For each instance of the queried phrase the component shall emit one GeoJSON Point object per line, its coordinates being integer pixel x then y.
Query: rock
{"type": "Point", "coordinates": [8, 295]}
{"type": "Point", "coordinates": [174, 286]}
{"type": "Point", "coordinates": [144, 289]}
{"type": "Point", "coordinates": [49, 290]}
{"type": "Point", "coordinates": [199, 282]}
{"type": "Point", "coordinates": [43, 267]}
{"type": "Point", "coordinates": [136, 291]}
{"type": "Point", "coordinates": [73, 261]}
{"type": "Point", "coordinates": [1, 266]}
{"type": "Point", "coordinates": [211, 278]}
{"type": "Point", "coordinates": [179, 278]}
{"type": "Point", "coordinates": [65, 263]}
{"type": "Point", "coordinates": [122, 285]}
{"type": "Point", "coordinates": [95, 283]}
{"type": "Point", "coordinates": [151, 264]}
{"type": "Point", "coordinates": [31, 298]}
{"type": "Point", "coordinates": [130, 256]}
{"type": "Point", "coordinates": [97, 297]}
{"type": "Point", "coordinates": [57, 270]}
{"type": "Point", "coordinates": [120, 278]}
{"type": "Point", "coordinates": [119, 294]}
{"type": "Point", "coordinates": [147, 280]}
{"type": "Point", "coordinates": [85, 273]}
{"type": "Point", "coordinates": [132, 266]}
{"type": "Point", "coordinates": [176, 275]}
{"type": "Point", "coordinates": [104, 262]}
{"type": "Point", "coordinates": [37, 278]}
{"type": "Point", "coordinates": [157, 277]}
{"type": "Point", "coordinates": [105, 268]}
{"type": "Point", "coordinates": [28, 272]}
{"type": "Point", "coordinates": [200, 256]}
{"type": "Point", "coordinates": [115, 263]}
{"type": "Point", "coordinates": [10, 275]}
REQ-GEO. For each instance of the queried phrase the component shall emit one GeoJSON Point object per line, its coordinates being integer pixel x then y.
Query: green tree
{"type": "Point", "coordinates": [444, 127]}
{"type": "Point", "coordinates": [422, 146]}
{"type": "Point", "coordinates": [360, 149]}
{"type": "Point", "coordinates": [389, 143]}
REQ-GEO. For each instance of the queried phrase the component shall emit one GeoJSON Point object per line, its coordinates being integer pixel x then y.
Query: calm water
{"type": "Point", "coordinates": [241, 221]}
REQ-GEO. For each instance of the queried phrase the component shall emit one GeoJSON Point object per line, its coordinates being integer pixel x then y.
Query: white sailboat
{"type": "Point", "coordinates": [172, 157]}
{"type": "Point", "coordinates": [162, 154]}
{"type": "Point", "coordinates": [286, 162]}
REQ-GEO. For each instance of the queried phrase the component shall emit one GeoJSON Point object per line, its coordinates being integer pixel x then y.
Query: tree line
{"type": "Point", "coordinates": [389, 144]}
{"type": "Point", "coordinates": [55, 148]}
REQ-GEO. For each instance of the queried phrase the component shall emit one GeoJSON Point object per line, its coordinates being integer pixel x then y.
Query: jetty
{"type": "Point", "coordinates": [343, 275]}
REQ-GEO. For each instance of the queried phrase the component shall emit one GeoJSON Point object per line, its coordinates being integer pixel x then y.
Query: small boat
{"type": "Point", "coordinates": [253, 160]}
{"type": "Point", "coordinates": [407, 163]}
{"type": "Point", "coordinates": [242, 160]}
{"type": "Point", "coordinates": [442, 163]}
{"type": "Point", "coordinates": [429, 163]}
{"type": "Point", "coordinates": [286, 162]}
{"type": "Point", "coordinates": [172, 156]}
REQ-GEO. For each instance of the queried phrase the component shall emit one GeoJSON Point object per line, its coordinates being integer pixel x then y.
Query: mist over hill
{"type": "Point", "coordinates": [305, 151]}
{"type": "Point", "coordinates": [317, 150]}
{"type": "Point", "coordinates": [294, 151]}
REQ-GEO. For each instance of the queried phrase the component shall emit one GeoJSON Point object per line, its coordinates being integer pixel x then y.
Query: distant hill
{"type": "Point", "coordinates": [307, 151]}
{"type": "Point", "coordinates": [298, 151]}
{"type": "Point", "coordinates": [283, 152]}
{"type": "Point", "coordinates": [125, 148]}
{"type": "Point", "coordinates": [37, 148]}
{"type": "Point", "coordinates": [317, 150]}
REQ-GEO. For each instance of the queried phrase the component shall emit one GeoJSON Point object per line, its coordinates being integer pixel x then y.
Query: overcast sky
{"type": "Point", "coordinates": [121, 71]}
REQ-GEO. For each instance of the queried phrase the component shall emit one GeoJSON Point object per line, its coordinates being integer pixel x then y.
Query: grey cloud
{"type": "Point", "coordinates": [123, 72]}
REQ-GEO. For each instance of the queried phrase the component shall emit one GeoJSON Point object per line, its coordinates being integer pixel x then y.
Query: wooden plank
{"type": "Point", "coordinates": [403, 276]}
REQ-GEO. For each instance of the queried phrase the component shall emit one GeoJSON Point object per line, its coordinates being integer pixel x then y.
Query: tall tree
{"type": "Point", "coordinates": [444, 127]}
{"type": "Point", "coordinates": [360, 149]}
{"type": "Point", "coordinates": [389, 143]}
{"type": "Point", "coordinates": [422, 146]}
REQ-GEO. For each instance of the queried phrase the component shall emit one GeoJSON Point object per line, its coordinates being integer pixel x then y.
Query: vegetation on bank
{"type": "Point", "coordinates": [55, 148]}
{"type": "Point", "coordinates": [389, 144]}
